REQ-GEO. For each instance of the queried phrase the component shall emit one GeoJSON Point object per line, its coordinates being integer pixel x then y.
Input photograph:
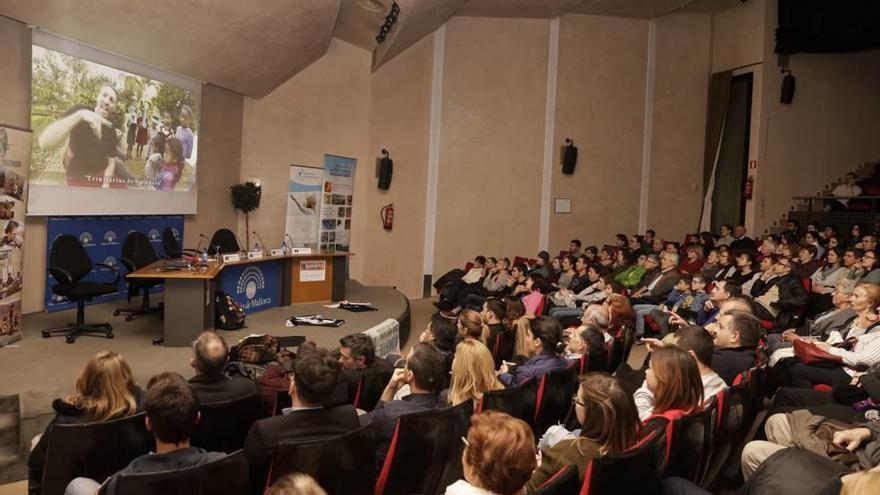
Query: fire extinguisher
{"type": "Point", "coordinates": [748, 187]}
{"type": "Point", "coordinates": [387, 215]}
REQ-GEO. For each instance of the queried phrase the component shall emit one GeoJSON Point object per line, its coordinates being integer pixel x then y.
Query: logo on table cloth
{"type": "Point", "coordinates": [250, 281]}
{"type": "Point", "coordinates": [110, 261]}
{"type": "Point", "coordinates": [176, 234]}
{"type": "Point", "coordinates": [110, 238]}
{"type": "Point", "coordinates": [86, 239]}
{"type": "Point", "coordinates": [154, 235]}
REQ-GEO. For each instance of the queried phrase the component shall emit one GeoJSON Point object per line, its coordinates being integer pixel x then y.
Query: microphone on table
{"type": "Point", "coordinates": [241, 247]}
{"type": "Point", "coordinates": [262, 244]}
{"type": "Point", "coordinates": [289, 239]}
{"type": "Point", "coordinates": [199, 245]}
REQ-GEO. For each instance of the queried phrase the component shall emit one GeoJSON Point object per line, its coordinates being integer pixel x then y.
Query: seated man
{"type": "Point", "coordinates": [736, 338]}
{"type": "Point", "coordinates": [315, 375]}
{"type": "Point", "coordinates": [780, 297]}
{"type": "Point", "coordinates": [657, 285]}
{"type": "Point", "coordinates": [172, 413]}
{"type": "Point", "coordinates": [211, 384]}
{"type": "Point", "coordinates": [501, 340]}
{"type": "Point", "coordinates": [423, 373]}
{"type": "Point", "coordinates": [357, 355]}
{"type": "Point", "coordinates": [698, 343]}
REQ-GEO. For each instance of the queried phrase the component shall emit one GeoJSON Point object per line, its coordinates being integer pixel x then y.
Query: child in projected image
{"type": "Point", "coordinates": [172, 165]}
{"type": "Point", "coordinates": [184, 132]}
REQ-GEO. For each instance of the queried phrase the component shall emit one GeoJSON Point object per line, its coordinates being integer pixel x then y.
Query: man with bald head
{"type": "Point", "coordinates": [211, 383]}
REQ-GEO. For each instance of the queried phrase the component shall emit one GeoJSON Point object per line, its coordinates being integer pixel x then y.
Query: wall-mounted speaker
{"type": "Point", "coordinates": [788, 84]}
{"type": "Point", "coordinates": [386, 170]}
{"type": "Point", "coordinates": [569, 157]}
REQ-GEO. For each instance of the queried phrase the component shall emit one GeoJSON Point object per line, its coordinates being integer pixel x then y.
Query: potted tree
{"type": "Point", "coordinates": [246, 197]}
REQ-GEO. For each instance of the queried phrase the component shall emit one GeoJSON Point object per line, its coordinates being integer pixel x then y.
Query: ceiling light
{"type": "Point", "coordinates": [371, 5]}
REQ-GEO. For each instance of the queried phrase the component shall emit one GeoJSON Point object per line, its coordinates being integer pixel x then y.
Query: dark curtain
{"type": "Point", "coordinates": [719, 96]}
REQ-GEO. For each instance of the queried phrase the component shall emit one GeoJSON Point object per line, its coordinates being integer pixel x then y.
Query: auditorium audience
{"type": "Point", "coordinates": [315, 375]}
{"type": "Point", "coordinates": [172, 408]}
{"type": "Point", "coordinates": [473, 374]}
{"type": "Point", "coordinates": [632, 275]}
{"type": "Point", "coordinates": [105, 390]}
{"type": "Point", "coordinates": [423, 372]}
{"type": "Point", "coordinates": [533, 297]}
{"type": "Point", "coordinates": [543, 346]}
{"type": "Point", "coordinates": [542, 265]}
{"type": "Point", "coordinates": [736, 337]}
{"type": "Point", "coordinates": [609, 425]}
{"type": "Point", "coordinates": [725, 239]}
{"type": "Point", "coordinates": [780, 295]}
{"type": "Point", "coordinates": [211, 383]}
{"type": "Point", "coordinates": [499, 456]}
{"type": "Point", "coordinates": [745, 268]}
{"type": "Point", "coordinates": [567, 274]}
{"type": "Point", "coordinates": [442, 332]}
{"type": "Point", "coordinates": [740, 240]}
{"type": "Point", "coordinates": [674, 379]}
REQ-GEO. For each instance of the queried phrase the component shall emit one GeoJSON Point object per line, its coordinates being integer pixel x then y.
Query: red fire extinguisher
{"type": "Point", "coordinates": [387, 214]}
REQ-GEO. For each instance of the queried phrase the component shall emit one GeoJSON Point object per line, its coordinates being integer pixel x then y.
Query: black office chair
{"type": "Point", "coordinates": [93, 450]}
{"type": "Point", "coordinates": [342, 465]}
{"type": "Point", "coordinates": [137, 252]}
{"type": "Point", "coordinates": [224, 425]}
{"type": "Point", "coordinates": [226, 476]}
{"type": "Point", "coordinates": [172, 248]}
{"type": "Point", "coordinates": [69, 264]}
{"type": "Point", "coordinates": [225, 240]}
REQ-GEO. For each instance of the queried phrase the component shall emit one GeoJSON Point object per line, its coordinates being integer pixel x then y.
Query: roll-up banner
{"type": "Point", "coordinates": [337, 202]}
{"type": "Point", "coordinates": [15, 153]}
{"type": "Point", "coordinates": [303, 202]}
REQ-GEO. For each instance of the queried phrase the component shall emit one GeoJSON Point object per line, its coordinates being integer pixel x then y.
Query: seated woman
{"type": "Point", "coordinates": [536, 288]}
{"type": "Point", "coordinates": [693, 261]}
{"type": "Point", "coordinates": [473, 374]}
{"type": "Point", "coordinates": [567, 272]}
{"type": "Point", "coordinates": [516, 321]}
{"type": "Point", "coordinates": [711, 265]}
{"type": "Point", "coordinates": [674, 378]}
{"type": "Point", "coordinates": [865, 350]}
{"type": "Point", "coordinates": [542, 341]}
{"type": "Point", "coordinates": [555, 271]}
{"type": "Point", "coordinates": [745, 268]}
{"type": "Point", "coordinates": [470, 326]}
{"type": "Point", "coordinates": [499, 456]}
{"type": "Point", "coordinates": [609, 422]}
{"type": "Point", "coordinates": [726, 269]}
{"type": "Point", "coordinates": [620, 312]}
{"type": "Point", "coordinates": [631, 276]}
{"type": "Point", "coordinates": [105, 390]}
{"type": "Point", "coordinates": [595, 293]}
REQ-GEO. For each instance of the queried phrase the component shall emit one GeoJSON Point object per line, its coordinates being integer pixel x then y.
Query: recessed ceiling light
{"type": "Point", "coordinates": [371, 5]}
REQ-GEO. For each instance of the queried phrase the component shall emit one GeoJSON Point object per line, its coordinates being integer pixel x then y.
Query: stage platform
{"type": "Point", "coordinates": [38, 370]}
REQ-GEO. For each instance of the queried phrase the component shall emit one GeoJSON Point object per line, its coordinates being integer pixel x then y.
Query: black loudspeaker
{"type": "Point", "coordinates": [569, 157]}
{"type": "Point", "coordinates": [386, 169]}
{"type": "Point", "coordinates": [787, 89]}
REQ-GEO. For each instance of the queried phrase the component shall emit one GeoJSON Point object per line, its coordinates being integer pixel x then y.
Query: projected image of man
{"type": "Point", "coordinates": [90, 157]}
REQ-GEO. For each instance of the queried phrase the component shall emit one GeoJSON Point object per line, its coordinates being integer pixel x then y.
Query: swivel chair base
{"type": "Point", "coordinates": [73, 330]}
{"type": "Point", "coordinates": [135, 312]}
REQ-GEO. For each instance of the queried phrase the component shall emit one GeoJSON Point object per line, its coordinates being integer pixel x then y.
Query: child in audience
{"type": "Point", "coordinates": [473, 373]}
{"type": "Point", "coordinates": [610, 425]}
{"type": "Point", "coordinates": [499, 456]}
{"type": "Point", "coordinates": [105, 390]}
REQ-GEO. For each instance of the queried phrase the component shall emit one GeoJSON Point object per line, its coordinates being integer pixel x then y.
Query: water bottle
{"type": "Point", "coordinates": [283, 247]}
{"type": "Point", "coordinates": [203, 260]}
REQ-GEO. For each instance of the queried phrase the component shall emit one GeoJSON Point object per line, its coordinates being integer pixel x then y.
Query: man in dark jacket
{"type": "Point", "coordinates": [740, 240]}
{"type": "Point", "coordinates": [501, 340]}
{"type": "Point", "coordinates": [315, 375]}
{"type": "Point", "coordinates": [779, 296]}
{"type": "Point", "coordinates": [357, 355]}
{"type": "Point", "coordinates": [655, 287]}
{"type": "Point", "coordinates": [736, 338]}
{"type": "Point", "coordinates": [210, 354]}
{"type": "Point", "coordinates": [172, 413]}
{"type": "Point", "coordinates": [423, 373]}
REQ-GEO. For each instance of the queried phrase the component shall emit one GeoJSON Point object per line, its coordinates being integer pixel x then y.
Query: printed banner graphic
{"type": "Point", "coordinates": [255, 286]}
{"type": "Point", "coordinates": [337, 202]}
{"type": "Point", "coordinates": [103, 238]}
{"type": "Point", "coordinates": [303, 199]}
{"type": "Point", "coordinates": [15, 155]}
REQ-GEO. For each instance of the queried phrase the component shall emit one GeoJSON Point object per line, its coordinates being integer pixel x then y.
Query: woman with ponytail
{"type": "Point", "coordinates": [471, 326]}
{"type": "Point", "coordinates": [543, 345]}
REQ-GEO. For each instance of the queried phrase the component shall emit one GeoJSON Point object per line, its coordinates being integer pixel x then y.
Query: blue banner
{"type": "Point", "coordinates": [102, 237]}
{"type": "Point", "coordinates": [256, 286]}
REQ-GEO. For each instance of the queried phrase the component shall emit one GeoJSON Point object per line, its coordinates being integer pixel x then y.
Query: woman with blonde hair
{"type": "Point", "coordinates": [674, 379]}
{"type": "Point", "coordinates": [473, 373]}
{"type": "Point", "coordinates": [105, 390]}
{"type": "Point", "coordinates": [610, 426]}
{"type": "Point", "coordinates": [471, 326]}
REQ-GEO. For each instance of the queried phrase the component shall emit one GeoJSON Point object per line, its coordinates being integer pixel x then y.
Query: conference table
{"type": "Point", "coordinates": [257, 284]}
